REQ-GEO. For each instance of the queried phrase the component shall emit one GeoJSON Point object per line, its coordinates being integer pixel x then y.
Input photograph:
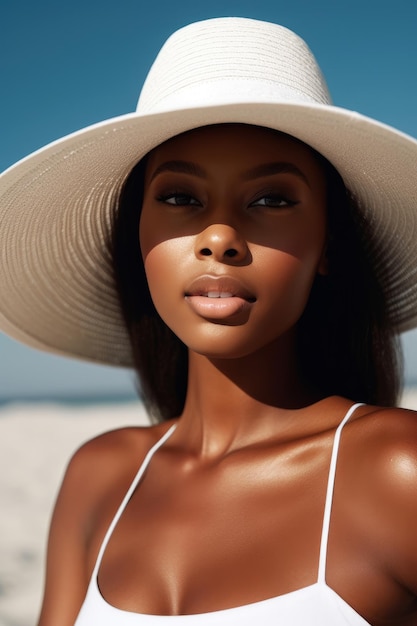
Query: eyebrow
{"type": "Point", "coordinates": [266, 169]}
{"type": "Point", "coordinates": [278, 167]}
{"type": "Point", "coordinates": [180, 167]}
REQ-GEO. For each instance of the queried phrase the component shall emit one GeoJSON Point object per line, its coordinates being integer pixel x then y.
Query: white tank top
{"type": "Point", "coordinates": [315, 605]}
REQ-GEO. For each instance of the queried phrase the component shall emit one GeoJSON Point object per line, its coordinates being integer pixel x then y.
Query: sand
{"type": "Point", "coordinates": [35, 445]}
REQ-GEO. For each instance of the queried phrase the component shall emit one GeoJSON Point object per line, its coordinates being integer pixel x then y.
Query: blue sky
{"type": "Point", "coordinates": [66, 65]}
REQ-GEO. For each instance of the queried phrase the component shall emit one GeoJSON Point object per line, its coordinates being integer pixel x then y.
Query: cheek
{"type": "Point", "coordinates": [154, 253]}
{"type": "Point", "coordinates": [298, 248]}
{"type": "Point", "coordinates": [288, 275]}
{"type": "Point", "coordinates": [162, 264]}
{"type": "Point", "coordinates": [288, 281]}
{"type": "Point", "coordinates": [147, 230]}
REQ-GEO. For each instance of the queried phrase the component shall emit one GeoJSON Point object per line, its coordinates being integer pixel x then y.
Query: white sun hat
{"type": "Point", "coordinates": [57, 290]}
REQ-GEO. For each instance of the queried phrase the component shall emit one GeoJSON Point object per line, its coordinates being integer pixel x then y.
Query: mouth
{"type": "Point", "coordinates": [219, 297]}
{"type": "Point", "coordinates": [219, 294]}
{"type": "Point", "coordinates": [219, 287]}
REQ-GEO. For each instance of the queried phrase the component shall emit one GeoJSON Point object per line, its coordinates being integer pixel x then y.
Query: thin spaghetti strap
{"type": "Point", "coordinates": [128, 495]}
{"type": "Point", "coordinates": [329, 494]}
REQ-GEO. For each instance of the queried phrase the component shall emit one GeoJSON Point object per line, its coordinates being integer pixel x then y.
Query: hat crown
{"type": "Point", "coordinates": [227, 60]}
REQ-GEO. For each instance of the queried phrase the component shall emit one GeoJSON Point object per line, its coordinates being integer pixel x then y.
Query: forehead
{"type": "Point", "coordinates": [234, 137]}
{"type": "Point", "coordinates": [235, 148]}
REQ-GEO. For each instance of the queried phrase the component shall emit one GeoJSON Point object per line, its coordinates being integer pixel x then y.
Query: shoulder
{"type": "Point", "coordinates": [109, 458]}
{"type": "Point", "coordinates": [95, 482]}
{"type": "Point", "coordinates": [92, 488]}
{"type": "Point", "coordinates": [97, 476]}
{"type": "Point", "coordinates": [378, 477]}
{"type": "Point", "coordinates": [384, 439]}
{"type": "Point", "coordinates": [380, 447]}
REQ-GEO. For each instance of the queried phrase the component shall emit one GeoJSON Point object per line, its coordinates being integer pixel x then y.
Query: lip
{"type": "Point", "coordinates": [219, 297]}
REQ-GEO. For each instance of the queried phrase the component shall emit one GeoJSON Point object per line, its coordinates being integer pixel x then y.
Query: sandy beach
{"type": "Point", "coordinates": [36, 442]}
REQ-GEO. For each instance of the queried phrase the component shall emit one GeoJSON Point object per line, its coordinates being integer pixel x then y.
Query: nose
{"type": "Point", "coordinates": [223, 243]}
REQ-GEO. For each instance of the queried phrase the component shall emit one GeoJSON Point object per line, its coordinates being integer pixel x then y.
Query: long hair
{"type": "Point", "coordinates": [159, 357]}
{"type": "Point", "coordinates": [345, 342]}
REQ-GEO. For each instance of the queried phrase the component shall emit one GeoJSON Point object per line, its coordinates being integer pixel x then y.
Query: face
{"type": "Point", "coordinates": [232, 233]}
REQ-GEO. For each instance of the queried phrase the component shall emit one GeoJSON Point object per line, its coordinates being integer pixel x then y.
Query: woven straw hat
{"type": "Point", "coordinates": [56, 206]}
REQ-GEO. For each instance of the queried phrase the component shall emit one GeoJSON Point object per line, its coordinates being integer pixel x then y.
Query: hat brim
{"type": "Point", "coordinates": [56, 210]}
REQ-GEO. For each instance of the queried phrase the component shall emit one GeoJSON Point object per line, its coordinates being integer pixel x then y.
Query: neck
{"type": "Point", "coordinates": [231, 402]}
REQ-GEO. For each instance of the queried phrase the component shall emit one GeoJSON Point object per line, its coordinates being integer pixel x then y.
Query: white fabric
{"type": "Point", "coordinates": [315, 605]}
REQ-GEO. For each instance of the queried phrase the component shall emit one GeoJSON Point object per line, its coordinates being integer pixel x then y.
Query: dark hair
{"type": "Point", "coordinates": [346, 344]}
{"type": "Point", "coordinates": [159, 357]}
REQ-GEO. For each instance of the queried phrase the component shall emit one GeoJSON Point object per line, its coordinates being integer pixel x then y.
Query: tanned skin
{"type": "Point", "coordinates": [230, 509]}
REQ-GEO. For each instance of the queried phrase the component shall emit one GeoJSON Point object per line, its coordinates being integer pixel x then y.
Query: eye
{"type": "Point", "coordinates": [273, 201]}
{"type": "Point", "coordinates": [178, 199]}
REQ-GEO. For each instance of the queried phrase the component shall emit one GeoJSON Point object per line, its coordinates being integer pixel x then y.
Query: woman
{"type": "Point", "coordinates": [240, 262]}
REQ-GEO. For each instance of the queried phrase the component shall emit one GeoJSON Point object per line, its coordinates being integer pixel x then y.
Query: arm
{"type": "Point", "coordinates": [66, 568]}
{"type": "Point", "coordinates": [96, 480]}
{"type": "Point", "coordinates": [379, 504]}
{"type": "Point", "coordinates": [399, 485]}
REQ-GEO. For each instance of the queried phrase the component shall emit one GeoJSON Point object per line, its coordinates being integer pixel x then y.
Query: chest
{"type": "Point", "coordinates": [220, 536]}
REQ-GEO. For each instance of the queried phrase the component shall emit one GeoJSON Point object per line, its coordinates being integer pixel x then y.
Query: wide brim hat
{"type": "Point", "coordinates": [57, 206]}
